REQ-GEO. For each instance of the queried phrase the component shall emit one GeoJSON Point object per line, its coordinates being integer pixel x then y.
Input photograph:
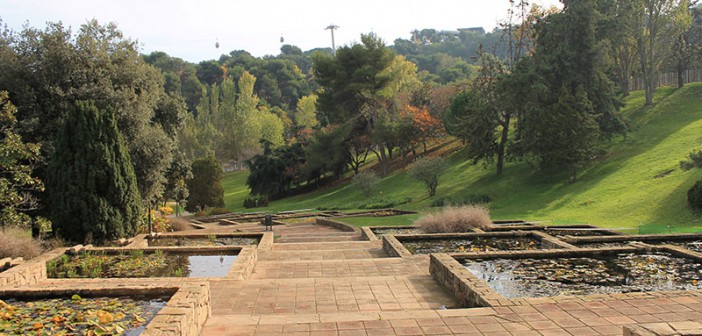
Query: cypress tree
{"type": "Point", "coordinates": [206, 185]}
{"type": "Point", "coordinates": [93, 190]}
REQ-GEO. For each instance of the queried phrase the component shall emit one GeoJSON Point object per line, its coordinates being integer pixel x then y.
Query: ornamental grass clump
{"type": "Point", "coordinates": [16, 243]}
{"type": "Point", "coordinates": [455, 219]}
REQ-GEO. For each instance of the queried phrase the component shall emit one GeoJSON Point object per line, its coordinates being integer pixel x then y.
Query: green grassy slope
{"type": "Point", "coordinates": [638, 182]}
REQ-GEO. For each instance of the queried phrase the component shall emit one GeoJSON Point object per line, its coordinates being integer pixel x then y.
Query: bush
{"type": "Point", "coordinates": [255, 202]}
{"type": "Point", "coordinates": [366, 182]}
{"type": "Point", "coordinates": [383, 204]}
{"type": "Point", "coordinates": [179, 224]}
{"type": "Point", "coordinates": [458, 201]}
{"type": "Point", "coordinates": [369, 205]}
{"type": "Point", "coordinates": [694, 196]}
{"type": "Point", "coordinates": [455, 219]}
{"type": "Point", "coordinates": [16, 243]}
{"type": "Point", "coordinates": [428, 171]}
{"type": "Point", "coordinates": [216, 211]}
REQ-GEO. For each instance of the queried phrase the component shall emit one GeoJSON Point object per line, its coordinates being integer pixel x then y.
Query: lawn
{"type": "Point", "coordinates": [637, 183]}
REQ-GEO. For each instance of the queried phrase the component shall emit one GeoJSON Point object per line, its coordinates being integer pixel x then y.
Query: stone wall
{"type": "Point", "coordinates": [266, 243]}
{"type": "Point", "coordinates": [394, 248]}
{"type": "Point", "coordinates": [184, 314]}
{"type": "Point", "coordinates": [28, 272]}
{"type": "Point", "coordinates": [244, 264]}
{"type": "Point", "coordinates": [468, 290]}
{"type": "Point", "coordinates": [335, 224]}
{"type": "Point", "coordinates": [550, 242]}
{"type": "Point", "coordinates": [367, 234]}
{"type": "Point", "coordinates": [626, 238]}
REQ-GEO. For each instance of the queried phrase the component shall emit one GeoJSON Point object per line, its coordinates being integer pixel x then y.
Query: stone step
{"type": "Point", "coordinates": [325, 246]}
{"type": "Point", "coordinates": [317, 239]}
{"type": "Point", "coordinates": [328, 295]}
{"type": "Point", "coordinates": [339, 268]}
{"type": "Point", "coordinates": [340, 254]}
{"type": "Point", "coordinates": [474, 321]}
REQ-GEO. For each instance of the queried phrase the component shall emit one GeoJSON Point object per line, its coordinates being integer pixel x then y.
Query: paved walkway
{"type": "Point", "coordinates": [354, 288]}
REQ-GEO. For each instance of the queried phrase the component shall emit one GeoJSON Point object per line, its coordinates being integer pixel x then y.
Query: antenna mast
{"type": "Point", "coordinates": [332, 27]}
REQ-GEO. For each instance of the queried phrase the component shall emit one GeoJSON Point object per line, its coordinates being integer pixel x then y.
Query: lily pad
{"type": "Point", "coordinates": [87, 316]}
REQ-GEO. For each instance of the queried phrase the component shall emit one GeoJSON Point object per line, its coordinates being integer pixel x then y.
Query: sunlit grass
{"type": "Point", "coordinates": [637, 183]}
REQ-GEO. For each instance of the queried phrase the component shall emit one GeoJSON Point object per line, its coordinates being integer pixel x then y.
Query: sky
{"type": "Point", "coordinates": [189, 29]}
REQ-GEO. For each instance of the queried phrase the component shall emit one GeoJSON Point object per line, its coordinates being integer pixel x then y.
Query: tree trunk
{"type": "Point", "coordinates": [151, 224]}
{"type": "Point", "coordinates": [382, 160]}
{"type": "Point", "coordinates": [681, 72]}
{"type": "Point", "coordinates": [503, 143]}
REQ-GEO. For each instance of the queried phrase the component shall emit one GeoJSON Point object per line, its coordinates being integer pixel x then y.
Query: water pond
{"type": "Point", "coordinates": [472, 244]}
{"type": "Point", "coordinates": [203, 241]}
{"type": "Point", "coordinates": [78, 316]}
{"type": "Point", "coordinates": [140, 264]}
{"type": "Point", "coordinates": [614, 273]}
{"type": "Point", "coordinates": [693, 245]}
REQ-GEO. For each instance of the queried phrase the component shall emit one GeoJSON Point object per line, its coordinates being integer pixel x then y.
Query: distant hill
{"type": "Point", "coordinates": [638, 182]}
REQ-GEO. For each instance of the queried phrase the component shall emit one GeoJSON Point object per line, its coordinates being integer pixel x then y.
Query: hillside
{"type": "Point", "coordinates": [637, 183]}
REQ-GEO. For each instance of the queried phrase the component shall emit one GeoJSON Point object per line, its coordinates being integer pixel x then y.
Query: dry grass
{"type": "Point", "coordinates": [179, 224]}
{"type": "Point", "coordinates": [456, 219]}
{"type": "Point", "coordinates": [16, 243]}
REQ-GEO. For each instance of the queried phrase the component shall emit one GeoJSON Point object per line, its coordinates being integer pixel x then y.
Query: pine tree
{"type": "Point", "coordinates": [92, 187]}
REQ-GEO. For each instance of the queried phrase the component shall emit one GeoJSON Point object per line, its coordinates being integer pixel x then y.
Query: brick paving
{"type": "Point", "coordinates": [336, 268]}
{"type": "Point", "coordinates": [354, 288]}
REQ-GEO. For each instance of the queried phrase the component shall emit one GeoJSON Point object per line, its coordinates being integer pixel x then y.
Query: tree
{"type": "Point", "coordinates": [177, 176]}
{"type": "Point", "coordinates": [482, 117]}
{"type": "Point", "coordinates": [48, 71]}
{"type": "Point", "coordinates": [428, 172]}
{"type": "Point", "coordinates": [366, 182]}
{"type": "Point", "coordinates": [571, 102]}
{"type": "Point", "coordinates": [273, 172]}
{"type": "Point", "coordinates": [660, 23]}
{"type": "Point", "coordinates": [472, 119]}
{"type": "Point", "coordinates": [92, 186]}
{"type": "Point", "coordinates": [206, 185]}
{"type": "Point", "coordinates": [325, 154]}
{"type": "Point", "coordinates": [688, 46]}
{"type": "Point", "coordinates": [17, 160]}
{"type": "Point", "coordinates": [352, 82]}
{"type": "Point", "coordinates": [305, 114]}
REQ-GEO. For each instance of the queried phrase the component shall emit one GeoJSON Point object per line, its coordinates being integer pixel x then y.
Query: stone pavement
{"type": "Point", "coordinates": [353, 288]}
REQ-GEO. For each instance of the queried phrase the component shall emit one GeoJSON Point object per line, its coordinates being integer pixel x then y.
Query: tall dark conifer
{"type": "Point", "coordinates": [572, 102]}
{"type": "Point", "coordinates": [93, 189]}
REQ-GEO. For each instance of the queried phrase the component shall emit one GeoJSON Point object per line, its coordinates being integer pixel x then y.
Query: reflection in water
{"type": "Point", "coordinates": [210, 266]}
{"type": "Point", "coordinates": [620, 273]}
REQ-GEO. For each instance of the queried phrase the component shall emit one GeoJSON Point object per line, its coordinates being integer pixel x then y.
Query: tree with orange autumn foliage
{"type": "Point", "coordinates": [422, 124]}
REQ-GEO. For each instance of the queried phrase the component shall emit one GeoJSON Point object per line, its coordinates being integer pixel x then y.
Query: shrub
{"type": "Point", "coordinates": [255, 202]}
{"type": "Point", "coordinates": [366, 182]}
{"type": "Point", "coordinates": [16, 243]}
{"type": "Point", "coordinates": [216, 211]}
{"type": "Point", "coordinates": [471, 199]}
{"type": "Point", "coordinates": [428, 171]}
{"type": "Point", "coordinates": [206, 185]}
{"type": "Point", "coordinates": [179, 224]}
{"type": "Point", "coordinates": [382, 204]}
{"type": "Point", "coordinates": [694, 196]}
{"type": "Point", "coordinates": [455, 219]}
